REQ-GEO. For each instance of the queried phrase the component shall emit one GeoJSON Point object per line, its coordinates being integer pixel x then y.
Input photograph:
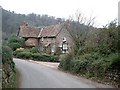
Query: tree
{"type": "Point", "coordinates": [81, 27]}
{"type": "Point", "coordinates": [15, 42]}
{"type": "Point", "coordinates": [11, 21]}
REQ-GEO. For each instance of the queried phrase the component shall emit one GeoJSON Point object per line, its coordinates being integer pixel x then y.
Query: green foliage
{"type": "Point", "coordinates": [65, 62]}
{"type": "Point", "coordinates": [24, 55]}
{"type": "Point", "coordinates": [114, 61]}
{"type": "Point", "coordinates": [109, 43]}
{"type": "Point", "coordinates": [18, 51]}
{"type": "Point", "coordinates": [35, 50]}
{"type": "Point", "coordinates": [15, 42]}
{"type": "Point", "coordinates": [36, 56]}
{"type": "Point", "coordinates": [12, 21]}
{"type": "Point", "coordinates": [95, 55]}
{"type": "Point", "coordinates": [44, 57]}
{"type": "Point", "coordinates": [8, 68]}
{"type": "Point", "coordinates": [14, 46]}
{"type": "Point", "coordinates": [53, 58]}
{"type": "Point", "coordinates": [92, 65]}
{"type": "Point", "coordinates": [16, 39]}
{"type": "Point", "coordinates": [6, 54]}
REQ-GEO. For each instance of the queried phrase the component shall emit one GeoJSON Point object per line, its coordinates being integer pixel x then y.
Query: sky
{"type": "Point", "coordinates": [104, 11]}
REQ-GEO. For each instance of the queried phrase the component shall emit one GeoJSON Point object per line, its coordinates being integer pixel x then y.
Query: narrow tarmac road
{"type": "Point", "coordinates": [37, 75]}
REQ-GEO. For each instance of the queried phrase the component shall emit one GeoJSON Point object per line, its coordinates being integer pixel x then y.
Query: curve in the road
{"type": "Point", "coordinates": [35, 75]}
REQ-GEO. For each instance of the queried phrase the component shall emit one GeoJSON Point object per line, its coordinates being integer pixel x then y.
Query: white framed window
{"type": "Point", "coordinates": [65, 46]}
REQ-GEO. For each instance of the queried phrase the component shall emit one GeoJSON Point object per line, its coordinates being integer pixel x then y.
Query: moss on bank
{"type": "Point", "coordinates": [8, 68]}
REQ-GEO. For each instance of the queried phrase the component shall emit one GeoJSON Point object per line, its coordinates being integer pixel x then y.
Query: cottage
{"type": "Point", "coordinates": [49, 39]}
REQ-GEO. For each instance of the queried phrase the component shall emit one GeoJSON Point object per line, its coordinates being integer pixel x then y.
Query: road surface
{"type": "Point", "coordinates": [40, 75]}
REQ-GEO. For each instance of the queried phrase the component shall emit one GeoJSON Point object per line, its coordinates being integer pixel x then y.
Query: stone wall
{"type": "Point", "coordinates": [8, 68]}
{"type": "Point", "coordinates": [64, 33]}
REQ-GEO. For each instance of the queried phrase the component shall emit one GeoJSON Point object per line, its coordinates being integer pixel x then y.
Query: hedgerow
{"type": "Point", "coordinates": [36, 56]}
{"type": "Point", "coordinates": [96, 56]}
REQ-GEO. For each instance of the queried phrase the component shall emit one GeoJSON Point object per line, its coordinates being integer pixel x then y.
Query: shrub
{"type": "Point", "coordinates": [16, 39]}
{"type": "Point", "coordinates": [14, 46]}
{"type": "Point", "coordinates": [24, 55]}
{"type": "Point", "coordinates": [35, 50]}
{"type": "Point", "coordinates": [65, 62]}
{"type": "Point", "coordinates": [96, 55]}
{"type": "Point", "coordinates": [8, 68]}
{"type": "Point", "coordinates": [114, 61]}
{"type": "Point", "coordinates": [18, 50]}
{"type": "Point", "coordinates": [6, 54]}
{"type": "Point", "coordinates": [53, 58]}
{"type": "Point", "coordinates": [113, 68]}
{"type": "Point", "coordinates": [44, 57]}
{"type": "Point", "coordinates": [35, 56]}
{"type": "Point", "coordinates": [15, 42]}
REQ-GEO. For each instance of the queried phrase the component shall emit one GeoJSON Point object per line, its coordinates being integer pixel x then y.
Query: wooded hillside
{"type": "Point", "coordinates": [11, 21]}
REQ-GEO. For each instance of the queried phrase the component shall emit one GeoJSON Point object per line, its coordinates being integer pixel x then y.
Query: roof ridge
{"type": "Point", "coordinates": [40, 32]}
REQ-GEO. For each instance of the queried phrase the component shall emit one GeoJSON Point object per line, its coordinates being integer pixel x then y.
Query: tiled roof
{"type": "Point", "coordinates": [49, 31]}
{"type": "Point", "coordinates": [28, 31]}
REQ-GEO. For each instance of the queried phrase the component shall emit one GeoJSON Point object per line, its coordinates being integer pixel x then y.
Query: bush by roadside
{"type": "Point", "coordinates": [98, 57]}
{"type": "Point", "coordinates": [35, 50]}
{"type": "Point", "coordinates": [94, 66]}
{"type": "Point", "coordinates": [8, 68]}
{"type": "Point", "coordinates": [35, 56]}
{"type": "Point", "coordinates": [44, 57]}
{"type": "Point", "coordinates": [15, 42]}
